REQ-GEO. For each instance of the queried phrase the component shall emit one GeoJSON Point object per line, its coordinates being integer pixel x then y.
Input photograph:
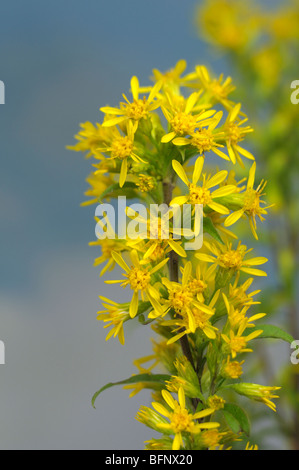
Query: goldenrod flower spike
{"type": "Point", "coordinates": [198, 301]}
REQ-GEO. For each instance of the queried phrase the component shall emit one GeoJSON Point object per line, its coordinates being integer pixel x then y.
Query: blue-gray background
{"type": "Point", "coordinates": [61, 61]}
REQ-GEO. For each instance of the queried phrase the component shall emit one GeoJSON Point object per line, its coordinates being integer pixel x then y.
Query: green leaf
{"type": "Point", "coordinates": [271, 331]}
{"type": "Point", "coordinates": [147, 378]}
{"type": "Point", "coordinates": [115, 190]}
{"type": "Point", "coordinates": [236, 418]}
{"type": "Point", "coordinates": [208, 227]}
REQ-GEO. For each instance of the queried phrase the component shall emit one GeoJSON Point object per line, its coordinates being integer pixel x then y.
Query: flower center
{"type": "Point", "coordinates": [252, 202]}
{"type": "Point", "coordinates": [139, 279]}
{"type": "Point", "coordinates": [183, 124]}
{"type": "Point", "coordinates": [199, 195]}
{"type": "Point", "coordinates": [235, 134]}
{"type": "Point", "coordinates": [233, 369]}
{"type": "Point", "coordinates": [138, 109]}
{"type": "Point", "coordinates": [231, 259]}
{"type": "Point", "coordinates": [122, 148]}
{"type": "Point", "coordinates": [196, 286]}
{"type": "Point", "coordinates": [180, 299]}
{"type": "Point", "coordinates": [203, 140]}
{"type": "Point", "coordinates": [237, 343]}
{"type": "Point", "coordinates": [181, 420]}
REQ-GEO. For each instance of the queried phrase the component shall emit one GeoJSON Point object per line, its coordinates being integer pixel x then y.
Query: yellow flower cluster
{"type": "Point", "coordinates": [161, 145]}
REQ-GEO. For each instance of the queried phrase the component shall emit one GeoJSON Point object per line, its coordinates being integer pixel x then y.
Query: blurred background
{"type": "Point", "coordinates": [60, 61]}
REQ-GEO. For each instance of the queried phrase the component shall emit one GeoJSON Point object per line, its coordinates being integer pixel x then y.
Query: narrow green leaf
{"type": "Point", "coordinates": [148, 378]}
{"type": "Point", "coordinates": [236, 418]}
{"type": "Point", "coordinates": [271, 331]}
{"type": "Point", "coordinates": [115, 190]}
{"type": "Point", "coordinates": [208, 227]}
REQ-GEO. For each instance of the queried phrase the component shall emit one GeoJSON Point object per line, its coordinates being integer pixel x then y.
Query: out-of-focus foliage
{"type": "Point", "coordinates": [262, 47]}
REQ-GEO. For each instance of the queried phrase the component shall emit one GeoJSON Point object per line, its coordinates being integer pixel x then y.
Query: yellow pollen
{"type": "Point", "coordinates": [158, 253]}
{"type": "Point", "coordinates": [232, 259]}
{"type": "Point", "coordinates": [181, 420]}
{"type": "Point", "coordinates": [203, 140]}
{"type": "Point", "coordinates": [139, 279]}
{"type": "Point", "coordinates": [183, 124]}
{"type": "Point", "coordinates": [233, 369]}
{"type": "Point", "coordinates": [252, 202]}
{"type": "Point", "coordinates": [138, 109]}
{"type": "Point", "coordinates": [199, 195]}
{"type": "Point", "coordinates": [196, 286]}
{"type": "Point", "coordinates": [121, 148]}
{"type": "Point", "coordinates": [180, 299]}
{"type": "Point", "coordinates": [235, 134]}
{"type": "Point", "coordinates": [237, 343]}
{"type": "Point", "coordinates": [218, 89]}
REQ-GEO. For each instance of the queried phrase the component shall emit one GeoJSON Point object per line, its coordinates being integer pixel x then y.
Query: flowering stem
{"type": "Point", "coordinates": [174, 271]}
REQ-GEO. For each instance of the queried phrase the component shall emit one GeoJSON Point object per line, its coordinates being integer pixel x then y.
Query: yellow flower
{"type": "Point", "coordinates": [251, 447]}
{"type": "Point", "coordinates": [252, 201]}
{"type": "Point", "coordinates": [229, 259]}
{"type": "Point", "coordinates": [98, 183]}
{"type": "Point", "coordinates": [172, 78]}
{"type": "Point", "coordinates": [202, 194]}
{"type": "Point", "coordinates": [145, 183]}
{"type": "Point", "coordinates": [192, 315]}
{"type": "Point", "coordinates": [230, 24]}
{"type": "Point", "coordinates": [235, 133]}
{"type": "Point", "coordinates": [238, 317]}
{"type": "Point", "coordinates": [215, 402]}
{"type": "Point", "coordinates": [232, 369]}
{"type": "Point", "coordinates": [206, 138]}
{"type": "Point", "coordinates": [158, 232]}
{"type": "Point", "coordinates": [136, 110]}
{"type": "Point", "coordinates": [89, 138]}
{"type": "Point", "coordinates": [257, 392]}
{"type": "Point", "coordinates": [121, 147]}
{"type": "Point", "coordinates": [115, 314]}
{"type": "Point", "coordinates": [181, 420]}
{"type": "Point", "coordinates": [108, 245]}
{"type": "Point", "coordinates": [180, 117]}
{"type": "Point", "coordinates": [211, 438]}
{"type": "Point", "coordinates": [218, 88]}
{"type": "Point", "coordinates": [237, 343]}
{"type": "Point", "coordinates": [139, 279]}
{"type": "Point", "coordinates": [238, 295]}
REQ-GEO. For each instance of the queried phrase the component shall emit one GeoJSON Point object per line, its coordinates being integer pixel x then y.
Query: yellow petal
{"type": "Point", "coordinates": [168, 137]}
{"type": "Point", "coordinates": [123, 172]}
{"type": "Point", "coordinates": [218, 208]}
{"type": "Point", "coordinates": [177, 248]}
{"type": "Point", "coordinates": [180, 171]}
{"type": "Point", "coordinates": [197, 169]}
{"type": "Point", "coordinates": [119, 260]}
{"type": "Point", "coordinates": [134, 305]}
{"type": "Point", "coordinates": [217, 179]}
{"type": "Point", "coordinates": [224, 191]}
{"type": "Point", "coordinates": [232, 218]}
{"type": "Point", "coordinates": [254, 272]}
{"type": "Point", "coordinates": [251, 176]}
{"type": "Point", "coordinates": [180, 200]}
{"type": "Point", "coordinates": [135, 87]}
